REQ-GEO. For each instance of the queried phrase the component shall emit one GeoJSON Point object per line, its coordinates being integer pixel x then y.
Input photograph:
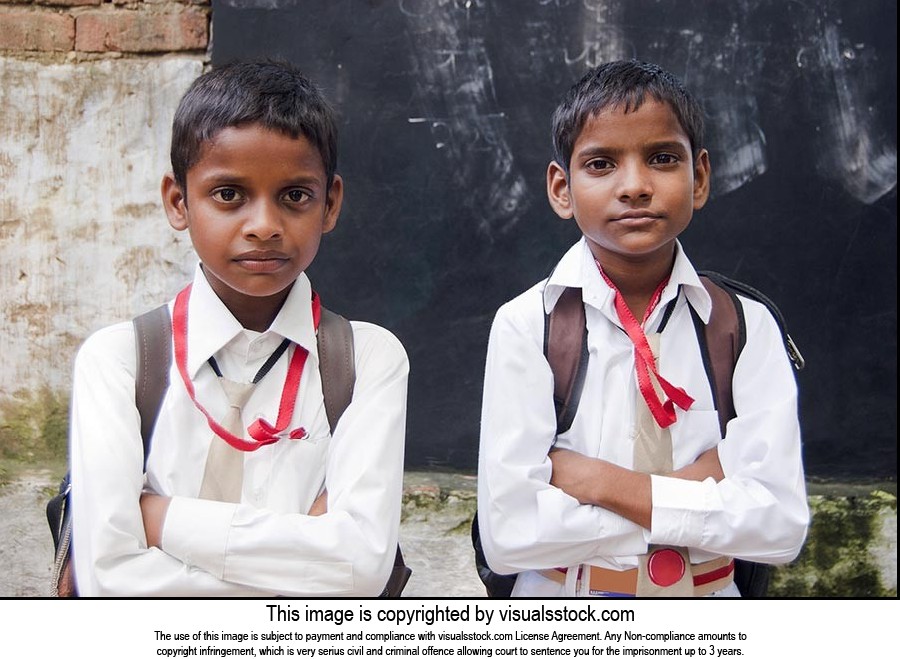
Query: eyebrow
{"type": "Point", "coordinates": [592, 151]}
{"type": "Point", "coordinates": [224, 176]}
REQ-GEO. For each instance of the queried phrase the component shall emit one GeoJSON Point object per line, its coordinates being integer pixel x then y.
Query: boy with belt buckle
{"type": "Point", "coordinates": [642, 495]}
{"type": "Point", "coordinates": [246, 491]}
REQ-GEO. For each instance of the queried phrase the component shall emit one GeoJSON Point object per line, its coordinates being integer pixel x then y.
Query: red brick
{"type": "Point", "coordinates": [141, 31]}
{"type": "Point", "coordinates": [68, 3]}
{"type": "Point", "coordinates": [171, 2]}
{"type": "Point", "coordinates": [36, 30]}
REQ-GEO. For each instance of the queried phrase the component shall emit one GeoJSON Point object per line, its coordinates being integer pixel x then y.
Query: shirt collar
{"type": "Point", "coordinates": [577, 269]}
{"type": "Point", "coordinates": [211, 326]}
{"type": "Point", "coordinates": [574, 271]}
{"type": "Point", "coordinates": [685, 276]}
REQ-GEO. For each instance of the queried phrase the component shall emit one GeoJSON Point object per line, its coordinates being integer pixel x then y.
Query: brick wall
{"type": "Point", "coordinates": [93, 27]}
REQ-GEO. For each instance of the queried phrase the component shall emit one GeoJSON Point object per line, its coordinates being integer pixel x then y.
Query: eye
{"type": "Point", "coordinates": [226, 195]}
{"type": "Point", "coordinates": [664, 159]}
{"type": "Point", "coordinates": [296, 195]}
{"type": "Point", "coordinates": [599, 165]}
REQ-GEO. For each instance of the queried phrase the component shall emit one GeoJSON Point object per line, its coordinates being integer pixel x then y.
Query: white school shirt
{"type": "Point", "coordinates": [759, 511]}
{"type": "Point", "coordinates": [265, 545]}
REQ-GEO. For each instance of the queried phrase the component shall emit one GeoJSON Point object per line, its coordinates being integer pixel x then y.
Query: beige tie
{"type": "Point", "coordinates": [224, 475]}
{"type": "Point", "coordinates": [653, 455]}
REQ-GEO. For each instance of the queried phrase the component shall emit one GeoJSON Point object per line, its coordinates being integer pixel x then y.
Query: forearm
{"type": "Point", "coordinates": [596, 482]}
{"type": "Point", "coordinates": [620, 490]}
{"type": "Point", "coordinates": [624, 492]}
{"type": "Point", "coordinates": [153, 512]}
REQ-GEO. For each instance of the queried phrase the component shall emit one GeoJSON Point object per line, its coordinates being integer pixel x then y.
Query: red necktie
{"type": "Point", "coordinates": [644, 362]}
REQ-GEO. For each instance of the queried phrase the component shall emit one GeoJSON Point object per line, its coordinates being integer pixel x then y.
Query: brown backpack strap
{"type": "Point", "coordinates": [565, 347]}
{"type": "Point", "coordinates": [721, 342]}
{"type": "Point", "coordinates": [153, 347]}
{"type": "Point", "coordinates": [337, 367]}
{"type": "Point", "coordinates": [400, 575]}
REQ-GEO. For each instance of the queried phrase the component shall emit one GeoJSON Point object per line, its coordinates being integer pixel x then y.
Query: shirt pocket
{"type": "Point", "coordinates": [695, 432]}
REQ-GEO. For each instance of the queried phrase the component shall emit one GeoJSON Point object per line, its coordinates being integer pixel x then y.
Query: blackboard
{"type": "Point", "coordinates": [445, 110]}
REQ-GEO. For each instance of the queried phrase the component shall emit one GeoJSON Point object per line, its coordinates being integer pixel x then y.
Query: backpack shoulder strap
{"type": "Point", "coordinates": [565, 347]}
{"type": "Point", "coordinates": [337, 366]}
{"type": "Point", "coordinates": [721, 341]}
{"type": "Point", "coordinates": [733, 286]}
{"type": "Point", "coordinates": [153, 345]}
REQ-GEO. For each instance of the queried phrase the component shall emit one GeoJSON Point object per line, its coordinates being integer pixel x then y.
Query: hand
{"type": "Point", "coordinates": [320, 505]}
{"type": "Point", "coordinates": [153, 509]}
{"type": "Point", "coordinates": [706, 465]}
{"type": "Point", "coordinates": [575, 474]}
{"type": "Point", "coordinates": [600, 483]}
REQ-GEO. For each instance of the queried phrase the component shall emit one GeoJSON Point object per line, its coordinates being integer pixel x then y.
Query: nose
{"type": "Point", "coordinates": [634, 182]}
{"type": "Point", "coordinates": [263, 222]}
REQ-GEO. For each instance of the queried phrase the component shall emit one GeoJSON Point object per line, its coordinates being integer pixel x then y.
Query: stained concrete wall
{"type": "Point", "coordinates": [83, 238]}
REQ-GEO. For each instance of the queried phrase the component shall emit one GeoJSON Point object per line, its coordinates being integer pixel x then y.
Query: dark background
{"type": "Point", "coordinates": [445, 112]}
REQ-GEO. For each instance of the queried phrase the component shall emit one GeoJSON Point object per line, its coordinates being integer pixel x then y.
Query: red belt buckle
{"type": "Point", "coordinates": [665, 567]}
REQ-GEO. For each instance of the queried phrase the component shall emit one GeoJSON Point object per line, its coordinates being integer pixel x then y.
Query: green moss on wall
{"type": "Point", "coordinates": [838, 558]}
{"type": "Point", "coordinates": [34, 426]}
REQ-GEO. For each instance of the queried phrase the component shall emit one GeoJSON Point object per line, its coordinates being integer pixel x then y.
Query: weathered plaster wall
{"type": "Point", "coordinates": [87, 92]}
{"type": "Point", "coordinates": [83, 239]}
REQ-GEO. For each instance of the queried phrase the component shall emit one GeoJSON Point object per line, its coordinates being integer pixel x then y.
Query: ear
{"type": "Point", "coordinates": [701, 179]}
{"type": "Point", "coordinates": [558, 191]}
{"type": "Point", "coordinates": [333, 203]}
{"type": "Point", "coordinates": [175, 202]}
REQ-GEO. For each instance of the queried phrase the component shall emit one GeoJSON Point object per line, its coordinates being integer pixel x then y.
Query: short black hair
{"type": "Point", "coordinates": [272, 93]}
{"type": "Point", "coordinates": [622, 84]}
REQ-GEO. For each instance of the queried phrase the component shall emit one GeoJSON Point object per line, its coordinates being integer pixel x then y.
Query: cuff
{"type": "Point", "coordinates": [196, 532]}
{"type": "Point", "coordinates": [679, 510]}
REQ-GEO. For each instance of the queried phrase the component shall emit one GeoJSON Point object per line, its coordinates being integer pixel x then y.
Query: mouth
{"type": "Point", "coordinates": [262, 260]}
{"type": "Point", "coordinates": [636, 217]}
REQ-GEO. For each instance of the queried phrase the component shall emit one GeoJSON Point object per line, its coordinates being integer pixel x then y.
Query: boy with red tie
{"type": "Point", "coordinates": [246, 491]}
{"type": "Point", "coordinates": [642, 495]}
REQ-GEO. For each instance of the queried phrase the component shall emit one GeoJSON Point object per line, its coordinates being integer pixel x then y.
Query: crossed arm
{"type": "Point", "coordinates": [623, 491]}
{"type": "Point", "coordinates": [537, 511]}
{"type": "Point", "coordinates": [155, 506]}
{"type": "Point", "coordinates": [589, 480]}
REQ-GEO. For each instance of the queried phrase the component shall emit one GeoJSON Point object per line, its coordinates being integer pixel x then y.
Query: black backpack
{"type": "Point", "coordinates": [721, 342]}
{"type": "Point", "coordinates": [153, 335]}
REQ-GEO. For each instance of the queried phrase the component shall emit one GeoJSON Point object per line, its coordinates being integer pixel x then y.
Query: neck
{"type": "Point", "coordinates": [253, 312]}
{"type": "Point", "coordinates": [637, 281]}
{"type": "Point", "coordinates": [257, 314]}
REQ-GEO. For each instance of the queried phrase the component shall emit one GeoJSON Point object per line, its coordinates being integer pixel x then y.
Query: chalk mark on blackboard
{"type": "Point", "coordinates": [455, 84]}
{"type": "Point", "coordinates": [601, 35]}
{"type": "Point", "coordinates": [860, 159]}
